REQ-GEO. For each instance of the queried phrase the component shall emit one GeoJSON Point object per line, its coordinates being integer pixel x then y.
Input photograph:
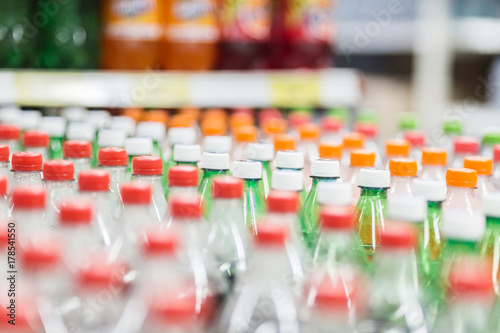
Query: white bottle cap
{"type": "Point", "coordinates": [138, 146]}
{"type": "Point", "coordinates": [29, 119]}
{"type": "Point", "coordinates": [217, 144]}
{"type": "Point", "coordinates": [53, 126]}
{"type": "Point", "coordinates": [290, 159]}
{"type": "Point", "coordinates": [334, 193]}
{"type": "Point", "coordinates": [406, 208]}
{"type": "Point", "coordinates": [99, 118]}
{"type": "Point", "coordinates": [325, 168]}
{"type": "Point", "coordinates": [215, 161]}
{"type": "Point", "coordinates": [260, 151]}
{"type": "Point", "coordinates": [111, 138]}
{"type": "Point", "coordinates": [430, 189]}
{"type": "Point", "coordinates": [181, 135]}
{"type": "Point", "coordinates": [123, 123]}
{"type": "Point", "coordinates": [80, 131]}
{"type": "Point", "coordinates": [151, 129]}
{"type": "Point", "coordinates": [460, 224]}
{"type": "Point", "coordinates": [287, 180]}
{"type": "Point", "coordinates": [374, 178]}
{"type": "Point", "coordinates": [187, 153]}
{"type": "Point", "coordinates": [9, 114]}
{"type": "Point", "coordinates": [247, 169]}
{"type": "Point", "coordinates": [75, 114]}
{"type": "Point", "coordinates": [491, 204]}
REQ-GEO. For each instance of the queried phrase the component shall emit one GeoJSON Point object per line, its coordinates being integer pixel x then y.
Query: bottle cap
{"type": "Point", "coordinates": [215, 113]}
{"type": "Point", "coordinates": [246, 134]}
{"type": "Point", "coordinates": [58, 170]}
{"type": "Point", "coordinates": [27, 161]}
{"type": "Point", "coordinates": [9, 132]}
{"type": "Point", "coordinates": [111, 138]}
{"type": "Point", "coordinates": [452, 127]}
{"type": "Point", "coordinates": [53, 126]}
{"type": "Point", "coordinates": [461, 177]}
{"type": "Point", "coordinates": [227, 187]}
{"type": "Point", "coordinates": [240, 119]}
{"type": "Point", "coordinates": [98, 273]}
{"type": "Point", "coordinates": [471, 277]}
{"type": "Point", "coordinates": [353, 141]}
{"type": "Point", "coordinates": [9, 114]}
{"type": "Point", "coordinates": [434, 156]}
{"type": "Point", "coordinates": [75, 113]}
{"type": "Point", "coordinates": [3, 185]}
{"type": "Point", "coordinates": [247, 169]}
{"type": "Point", "coordinates": [187, 153]}
{"type": "Point", "coordinates": [297, 119]}
{"type": "Point", "coordinates": [459, 224]}
{"type": "Point", "coordinates": [334, 193]}
{"type": "Point", "coordinates": [183, 175]}
{"type": "Point", "coordinates": [406, 208]}
{"type": "Point", "coordinates": [139, 146]}
{"type": "Point", "coordinates": [491, 205]}
{"type": "Point", "coordinates": [181, 135]}
{"type": "Point", "coordinates": [374, 178]}
{"type": "Point", "coordinates": [287, 180]}
{"type": "Point", "coordinates": [284, 142]}
{"type": "Point", "coordinates": [75, 212]}
{"type": "Point", "coordinates": [496, 153]}
{"type": "Point", "coordinates": [398, 236]}
{"type": "Point", "coordinates": [93, 181]}
{"type": "Point", "coordinates": [331, 124]}
{"type": "Point", "coordinates": [217, 144]}
{"type": "Point", "coordinates": [179, 312]}
{"type": "Point", "coordinates": [4, 153]}
{"type": "Point", "coordinates": [465, 145]}
{"type": "Point", "coordinates": [159, 116]}
{"type": "Point", "coordinates": [270, 113]}
{"type": "Point", "coordinates": [160, 242]}
{"type": "Point", "coordinates": [482, 165]}
{"type": "Point", "coordinates": [309, 132]}
{"type": "Point", "coordinates": [407, 121]}
{"type": "Point", "coordinates": [112, 156]}
{"type": "Point", "coordinates": [40, 254]}
{"type": "Point", "coordinates": [77, 149]}
{"type": "Point", "coordinates": [290, 159]}
{"type": "Point", "coordinates": [403, 167]}
{"type": "Point", "coordinates": [282, 202]}
{"type": "Point", "coordinates": [397, 147]}
{"type": "Point", "coordinates": [215, 161]}
{"type": "Point", "coordinates": [369, 130]}
{"type": "Point", "coordinates": [35, 139]}
{"type": "Point", "coordinates": [29, 119]}
{"type": "Point", "coordinates": [28, 197]}
{"type": "Point", "coordinates": [185, 207]}
{"type": "Point", "coordinates": [337, 218]}
{"type": "Point", "coordinates": [260, 151]}
{"type": "Point", "coordinates": [330, 150]}
{"type": "Point", "coordinates": [136, 193]}
{"type": "Point", "coordinates": [99, 118]}
{"type": "Point", "coordinates": [134, 113]}
{"type": "Point", "coordinates": [492, 137]}
{"type": "Point", "coordinates": [181, 121]}
{"type": "Point", "coordinates": [430, 189]}
{"type": "Point", "coordinates": [147, 165]}
{"type": "Point", "coordinates": [415, 138]}
{"type": "Point", "coordinates": [123, 123]}
{"type": "Point", "coordinates": [271, 234]}
{"type": "Point", "coordinates": [362, 158]}
{"type": "Point", "coordinates": [213, 127]}
{"type": "Point", "coordinates": [325, 168]}
{"type": "Point", "coordinates": [80, 131]}
{"type": "Point", "coordinates": [273, 126]}
{"type": "Point", "coordinates": [151, 129]}
{"type": "Point", "coordinates": [332, 295]}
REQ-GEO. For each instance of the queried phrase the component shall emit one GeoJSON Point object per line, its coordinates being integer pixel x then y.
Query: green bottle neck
{"type": "Point", "coordinates": [252, 183]}
{"type": "Point", "coordinates": [434, 205]}
{"type": "Point", "coordinates": [462, 245]}
{"type": "Point", "coordinates": [371, 191]}
{"type": "Point", "coordinates": [493, 221]}
{"type": "Point", "coordinates": [195, 164]}
{"type": "Point", "coordinates": [211, 172]}
{"type": "Point", "coordinates": [316, 180]}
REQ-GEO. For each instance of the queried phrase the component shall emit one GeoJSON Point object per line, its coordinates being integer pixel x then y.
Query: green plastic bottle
{"type": "Point", "coordinates": [264, 153]}
{"type": "Point", "coordinates": [490, 245]}
{"type": "Point", "coordinates": [213, 165]}
{"type": "Point", "coordinates": [137, 147]}
{"type": "Point", "coordinates": [55, 127]}
{"type": "Point", "coordinates": [254, 206]}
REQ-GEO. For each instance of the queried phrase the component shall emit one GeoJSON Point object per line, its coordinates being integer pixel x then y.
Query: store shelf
{"type": "Point", "coordinates": [329, 87]}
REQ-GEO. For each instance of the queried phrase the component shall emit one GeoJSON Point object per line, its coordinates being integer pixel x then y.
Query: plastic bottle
{"type": "Point", "coordinates": [359, 159]}
{"type": "Point", "coordinates": [132, 32]}
{"type": "Point", "coordinates": [9, 135]}
{"type": "Point", "coordinates": [370, 209]}
{"type": "Point", "coordinates": [36, 142]}
{"type": "Point", "coordinates": [417, 141]}
{"type": "Point", "coordinates": [289, 180]}
{"type": "Point", "coordinates": [434, 162]}
{"type": "Point", "coordinates": [489, 245]}
{"type": "Point", "coordinates": [451, 129]}
{"type": "Point", "coordinates": [217, 144]}
{"type": "Point", "coordinates": [137, 147]}
{"type": "Point", "coordinates": [330, 150]}
{"type": "Point", "coordinates": [350, 142]}
{"type": "Point", "coordinates": [403, 171]}
{"type": "Point", "coordinates": [484, 168]}
{"type": "Point", "coordinates": [370, 131]}
{"type": "Point", "coordinates": [26, 169]}
{"type": "Point", "coordinates": [496, 166]}
{"type": "Point", "coordinates": [264, 153]}
{"type": "Point", "coordinates": [308, 145]}
{"type": "Point", "coordinates": [59, 180]}
{"type": "Point", "coordinates": [28, 210]}
{"type": "Point", "coordinates": [396, 148]}
{"type": "Point", "coordinates": [4, 204]}
{"type": "Point", "coordinates": [107, 138]}
{"type": "Point", "coordinates": [123, 123]}
{"type": "Point", "coordinates": [155, 131]}
{"type": "Point", "coordinates": [187, 155]}
{"type": "Point", "coordinates": [149, 169]}
{"type": "Point", "coordinates": [114, 162]}
{"type": "Point", "coordinates": [243, 135]}
{"type": "Point", "coordinates": [331, 129]}
{"type": "Point", "coordinates": [55, 127]}
{"type": "Point", "coordinates": [335, 194]}
{"type": "Point", "coordinates": [463, 146]}
{"type": "Point", "coordinates": [176, 135]}
{"type": "Point", "coordinates": [5, 164]}
{"type": "Point", "coordinates": [490, 139]}
{"type": "Point", "coordinates": [214, 165]}
{"type": "Point", "coordinates": [78, 152]}
{"type": "Point", "coordinates": [94, 186]}
{"type": "Point", "coordinates": [182, 180]}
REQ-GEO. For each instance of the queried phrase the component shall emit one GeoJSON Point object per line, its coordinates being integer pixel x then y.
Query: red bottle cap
{"type": "Point", "coordinates": [75, 212]}
{"type": "Point", "coordinates": [183, 175]}
{"type": "Point", "coordinates": [185, 207]}
{"type": "Point", "coordinates": [93, 180]}
{"type": "Point", "coordinates": [147, 165]}
{"type": "Point", "coordinates": [270, 234]}
{"type": "Point", "coordinates": [465, 145]}
{"type": "Point", "coordinates": [282, 202]}
{"type": "Point", "coordinates": [398, 236]}
{"type": "Point", "coordinates": [496, 153]}
{"type": "Point", "coordinates": [332, 295]}
{"type": "Point", "coordinates": [416, 138]}
{"type": "Point", "coordinates": [35, 139]}
{"type": "Point", "coordinates": [470, 276]}
{"type": "Point", "coordinates": [58, 170]}
{"type": "Point", "coordinates": [27, 161]}
{"type": "Point", "coordinates": [176, 309]}
{"type": "Point", "coordinates": [367, 129]}
{"type": "Point", "coordinates": [77, 149]}
{"type": "Point", "coordinates": [330, 124]}
{"type": "Point", "coordinates": [28, 197]}
{"type": "Point", "coordinates": [112, 156]}
{"type": "Point", "coordinates": [98, 274]}
{"type": "Point", "coordinates": [160, 242]}
{"type": "Point", "coordinates": [4, 153]}
{"type": "Point", "coordinates": [3, 185]}
{"type": "Point", "coordinates": [136, 193]}
{"type": "Point", "coordinates": [40, 254]}
{"type": "Point", "coordinates": [227, 187]}
{"type": "Point", "coordinates": [337, 218]}
{"type": "Point", "coordinates": [9, 132]}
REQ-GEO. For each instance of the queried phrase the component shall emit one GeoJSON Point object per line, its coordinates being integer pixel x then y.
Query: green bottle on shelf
{"type": "Point", "coordinates": [490, 245]}
{"type": "Point", "coordinates": [137, 147]}
{"type": "Point", "coordinates": [55, 127]}
{"type": "Point", "coordinates": [213, 165]}
{"type": "Point", "coordinates": [264, 153]}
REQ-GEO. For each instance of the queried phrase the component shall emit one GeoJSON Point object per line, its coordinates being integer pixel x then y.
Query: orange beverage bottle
{"type": "Point", "coordinates": [191, 35]}
{"type": "Point", "coordinates": [132, 32]}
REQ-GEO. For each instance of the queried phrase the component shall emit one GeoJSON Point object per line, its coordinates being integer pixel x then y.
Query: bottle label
{"type": "Point", "coordinates": [310, 20]}
{"type": "Point", "coordinates": [244, 20]}
{"type": "Point", "coordinates": [192, 21]}
{"type": "Point", "coordinates": [133, 20]}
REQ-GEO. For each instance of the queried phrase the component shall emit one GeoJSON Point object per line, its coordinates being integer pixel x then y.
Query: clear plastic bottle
{"type": "Point", "coordinates": [289, 180]}
{"type": "Point", "coordinates": [114, 162]}
{"type": "Point", "coordinates": [308, 145]}
{"type": "Point", "coordinates": [350, 142]}
{"type": "Point", "coordinates": [490, 139]}
{"type": "Point", "coordinates": [396, 148]}
{"type": "Point", "coordinates": [417, 141]}
{"type": "Point", "coordinates": [489, 247]}
{"type": "Point", "coordinates": [5, 165]}
{"type": "Point", "coordinates": [214, 165]}
{"type": "Point", "coordinates": [264, 153]}
{"type": "Point", "coordinates": [78, 152]}
{"type": "Point", "coordinates": [370, 131]}
{"type": "Point", "coordinates": [137, 147]}
{"type": "Point", "coordinates": [26, 169]}
{"type": "Point", "coordinates": [496, 166]}
{"type": "Point", "coordinates": [359, 159]}
{"type": "Point", "coordinates": [217, 144]}
{"type": "Point", "coordinates": [59, 180]}
{"type": "Point", "coordinates": [331, 130]}
{"type": "Point", "coordinates": [109, 138]}
{"type": "Point", "coordinates": [243, 136]}
{"type": "Point", "coordinates": [176, 135]}
{"type": "Point", "coordinates": [55, 127]}
{"type": "Point", "coordinates": [484, 169]}
{"type": "Point", "coordinates": [463, 146]}
{"type": "Point", "coordinates": [123, 123]}
{"type": "Point", "coordinates": [403, 172]}
{"type": "Point", "coordinates": [9, 135]}
{"type": "Point", "coordinates": [156, 131]}
{"type": "Point", "coordinates": [182, 179]}
{"type": "Point", "coordinates": [36, 142]}
{"type": "Point", "coordinates": [434, 161]}
{"type": "Point", "coordinates": [187, 155]}
{"type": "Point", "coordinates": [28, 210]}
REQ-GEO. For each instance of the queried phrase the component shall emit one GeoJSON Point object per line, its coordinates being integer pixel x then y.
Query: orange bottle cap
{"type": "Point", "coordinates": [482, 165]}
{"type": "Point", "coordinates": [309, 132]}
{"type": "Point", "coordinates": [362, 158]}
{"type": "Point", "coordinates": [284, 142]}
{"type": "Point", "coordinates": [330, 150]}
{"type": "Point", "coordinates": [397, 147]}
{"type": "Point", "coordinates": [180, 120]}
{"type": "Point", "coordinates": [134, 113]}
{"type": "Point", "coordinates": [160, 116]}
{"type": "Point", "coordinates": [241, 119]}
{"type": "Point", "coordinates": [403, 167]}
{"type": "Point", "coordinates": [272, 126]}
{"type": "Point", "coordinates": [434, 156]}
{"type": "Point", "coordinates": [461, 177]}
{"type": "Point", "coordinates": [353, 141]}
{"type": "Point", "coordinates": [246, 134]}
{"type": "Point", "coordinates": [213, 127]}
{"type": "Point", "coordinates": [215, 113]}
{"type": "Point", "coordinates": [193, 113]}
